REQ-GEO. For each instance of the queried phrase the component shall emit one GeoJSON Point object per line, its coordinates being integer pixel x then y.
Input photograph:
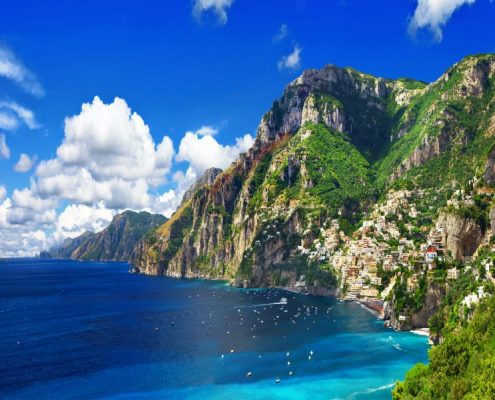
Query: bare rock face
{"type": "Point", "coordinates": [415, 319]}
{"type": "Point", "coordinates": [314, 97]}
{"type": "Point", "coordinates": [206, 179]}
{"type": "Point", "coordinates": [461, 236]}
{"type": "Point", "coordinates": [429, 148]}
{"type": "Point", "coordinates": [329, 114]}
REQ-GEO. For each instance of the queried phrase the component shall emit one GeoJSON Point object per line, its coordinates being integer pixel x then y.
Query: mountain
{"type": "Point", "coordinates": [369, 189]}
{"type": "Point", "coordinates": [70, 245]}
{"type": "Point", "coordinates": [335, 146]}
{"type": "Point", "coordinates": [116, 242]}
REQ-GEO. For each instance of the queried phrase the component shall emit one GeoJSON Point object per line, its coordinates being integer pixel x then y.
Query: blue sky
{"type": "Point", "coordinates": [183, 65]}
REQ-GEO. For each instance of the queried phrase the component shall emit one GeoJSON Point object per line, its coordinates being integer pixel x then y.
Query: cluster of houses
{"type": "Point", "coordinates": [378, 246]}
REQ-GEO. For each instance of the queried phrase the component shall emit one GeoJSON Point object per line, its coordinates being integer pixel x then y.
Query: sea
{"type": "Point", "coordinates": [92, 330]}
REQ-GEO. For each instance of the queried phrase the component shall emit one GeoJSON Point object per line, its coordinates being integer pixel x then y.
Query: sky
{"type": "Point", "coordinates": [113, 105]}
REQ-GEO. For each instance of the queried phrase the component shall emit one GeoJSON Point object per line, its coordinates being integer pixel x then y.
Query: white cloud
{"type": "Point", "coordinates": [4, 149]}
{"type": "Point", "coordinates": [3, 193]}
{"type": "Point", "coordinates": [16, 112]}
{"type": "Point", "coordinates": [207, 130]}
{"type": "Point", "coordinates": [8, 121]}
{"type": "Point", "coordinates": [77, 219]}
{"type": "Point", "coordinates": [21, 240]}
{"type": "Point", "coordinates": [282, 33]}
{"type": "Point", "coordinates": [291, 61]}
{"type": "Point", "coordinates": [107, 162]}
{"type": "Point", "coordinates": [203, 152]}
{"type": "Point", "coordinates": [219, 7]}
{"type": "Point", "coordinates": [107, 155]}
{"type": "Point", "coordinates": [25, 163]}
{"type": "Point", "coordinates": [26, 207]}
{"type": "Point", "coordinates": [13, 69]}
{"type": "Point", "coordinates": [434, 14]}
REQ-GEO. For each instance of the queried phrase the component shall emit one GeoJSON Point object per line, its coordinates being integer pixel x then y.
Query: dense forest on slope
{"type": "Point", "coordinates": [461, 367]}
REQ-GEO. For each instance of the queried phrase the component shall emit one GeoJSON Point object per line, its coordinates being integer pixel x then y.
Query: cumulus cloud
{"type": "Point", "coordinates": [107, 155]}
{"type": "Point", "coordinates": [203, 152]}
{"type": "Point", "coordinates": [25, 206]}
{"type": "Point", "coordinates": [25, 163]}
{"type": "Point", "coordinates": [4, 149]}
{"type": "Point", "coordinates": [282, 33]}
{"type": "Point", "coordinates": [107, 162]}
{"type": "Point", "coordinates": [77, 219]}
{"type": "Point", "coordinates": [168, 202]}
{"type": "Point", "coordinates": [291, 61]}
{"type": "Point", "coordinates": [434, 14]}
{"type": "Point", "coordinates": [218, 7]}
{"type": "Point", "coordinates": [13, 69]}
{"type": "Point", "coordinates": [21, 240]}
{"type": "Point", "coordinates": [14, 113]}
{"type": "Point", "coordinates": [207, 130]}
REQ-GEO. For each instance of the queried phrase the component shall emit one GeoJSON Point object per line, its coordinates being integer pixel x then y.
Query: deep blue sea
{"type": "Point", "coordinates": [78, 330]}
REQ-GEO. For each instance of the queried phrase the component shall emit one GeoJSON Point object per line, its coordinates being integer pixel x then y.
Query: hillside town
{"type": "Point", "coordinates": [388, 241]}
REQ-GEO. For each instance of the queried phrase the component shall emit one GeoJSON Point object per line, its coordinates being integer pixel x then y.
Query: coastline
{"type": "Point", "coordinates": [374, 306]}
{"type": "Point", "coordinates": [421, 331]}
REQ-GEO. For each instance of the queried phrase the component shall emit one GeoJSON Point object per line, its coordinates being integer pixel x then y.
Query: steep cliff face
{"type": "Point", "coordinates": [334, 143]}
{"type": "Point", "coordinates": [461, 235]}
{"type": "Point", "coordinates": [116, 242]}
{"type": "Point", "coordinates": [415, 318]}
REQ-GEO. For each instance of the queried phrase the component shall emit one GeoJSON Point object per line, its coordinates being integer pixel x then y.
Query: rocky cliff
{"type": "Point", "coordinates": [331, 147]}
{"type": "Point", "coordinates": [461, 234]}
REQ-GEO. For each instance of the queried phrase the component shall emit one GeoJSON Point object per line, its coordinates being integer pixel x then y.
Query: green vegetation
{"type": "Point", "coordinates": [255, 184]}
{"type": "Point", "coordinates": [178, 230]}
{"type": "Point", "coordinates": [462, 367]}
{"type": "Point", "coordinates": [405, 300]}
{"type": "Point", "coordinates": [324, 100]}
{"type": "Point", "coordinates": [337, 179]}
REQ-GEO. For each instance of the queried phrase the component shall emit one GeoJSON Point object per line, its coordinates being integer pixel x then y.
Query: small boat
{"type": "Point", "coordinates": [249, 374]}
{"type": "Point", "coordinates": [277, 380]}
{"type": "Point", "coordinates": [283, 300]}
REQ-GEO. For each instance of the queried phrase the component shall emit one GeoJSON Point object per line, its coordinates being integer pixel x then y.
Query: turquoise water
{"type": "Point", "coordinates": [76, 330]}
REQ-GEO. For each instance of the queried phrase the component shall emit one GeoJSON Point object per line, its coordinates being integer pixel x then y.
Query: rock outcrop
{"type": "Point", "coordinates": [418, 318]}
{"type": "Point", "coordinates": [460, 235]}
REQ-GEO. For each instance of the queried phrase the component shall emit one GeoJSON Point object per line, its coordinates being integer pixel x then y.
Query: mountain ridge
{"type": "Point", "coordinates": [356, 108]}
{"type": "Point", "coordinates": [114, 243]}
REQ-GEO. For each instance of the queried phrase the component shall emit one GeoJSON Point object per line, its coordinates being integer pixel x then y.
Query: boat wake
{"type": "Point", "coordinates": [397, 346]}
{"type": "Point", "coordinates": [283, 301]}
{"type": "Point", "coordinates": [369, 391]}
